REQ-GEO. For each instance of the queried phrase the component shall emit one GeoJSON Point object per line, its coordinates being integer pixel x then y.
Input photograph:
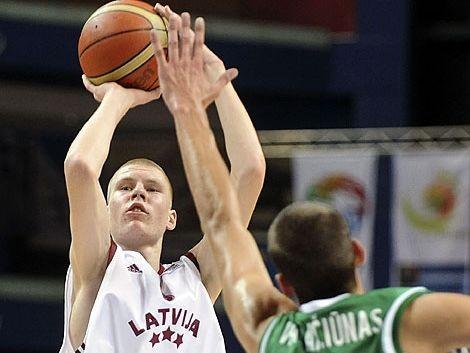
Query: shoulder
{"type": "Point", "coordinates": [281, 330]}
{"type": "Point", "coordinates": [187, 265]}
{"type": "Point", "coordinates": [398, 300]}
{"type": "Point", "coordinates": [395, 295]}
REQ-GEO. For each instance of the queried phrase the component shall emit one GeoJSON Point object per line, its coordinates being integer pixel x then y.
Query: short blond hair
{"type": "Point", "coordinates": [141, 162]}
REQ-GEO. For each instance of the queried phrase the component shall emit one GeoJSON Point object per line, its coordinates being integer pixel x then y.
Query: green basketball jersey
{"type": "Point", "coordinates": [348, 323]}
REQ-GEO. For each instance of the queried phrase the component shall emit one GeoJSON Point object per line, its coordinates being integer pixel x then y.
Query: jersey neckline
{"type": "Point", "coordinates": [318, 304]}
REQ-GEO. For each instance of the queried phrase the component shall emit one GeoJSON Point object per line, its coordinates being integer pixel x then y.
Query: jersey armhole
{"type": "Point", "coordinates": [267, 333]}
{"type": "Point", "coordinates": [390, 334]}
{"type": "Point", "coordinates": [193, 259]}
{"type": "Point", "coordinates": [111, 252]}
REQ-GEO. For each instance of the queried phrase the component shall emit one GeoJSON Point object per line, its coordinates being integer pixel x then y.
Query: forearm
{"type": "Point", "coordinates": [214, 196]}
{"type": "Point", "coordinates": [247, 164]}
{"type": "Point", "coordinates": [91, 146]}
{"type": "Point", "coordinates": [240, 135]}
{"type": "Point", "coordinates": [210, 185]}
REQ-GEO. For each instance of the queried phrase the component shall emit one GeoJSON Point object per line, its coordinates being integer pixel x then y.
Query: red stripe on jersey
{"type": "Point", "coordinates": [111, 252]}
{"type": "Point", "coordinates": [191, 256]}
{"type": "Point", "coordinates": [161, 269]}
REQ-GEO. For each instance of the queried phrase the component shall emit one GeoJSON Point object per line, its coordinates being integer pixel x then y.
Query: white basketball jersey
{"type": "Point", "coordinates": [141, 311]}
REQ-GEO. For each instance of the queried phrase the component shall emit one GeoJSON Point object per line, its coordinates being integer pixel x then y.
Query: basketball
{"type": "Point", "coordinates": [115, 46]}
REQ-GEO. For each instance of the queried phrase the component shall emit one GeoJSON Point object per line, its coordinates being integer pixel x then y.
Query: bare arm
{"type": "Point", "coordinates": [89, 222]}
{"type": "Point", "coordinates": [249, 296]}
{"type": "Point", "coordinates": [245, 154]}
{"type": "Point", "coordinates": [88, 214]}
{"type": "Point", "coordinates": [437, 322]}
{"type": "Point", "coordinates": [247, 164]}
{"type": "Point", "coordinates": [82, 167]}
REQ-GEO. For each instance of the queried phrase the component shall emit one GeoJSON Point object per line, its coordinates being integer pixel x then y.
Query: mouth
{"type": "Point", "coordinates": [136, 209]}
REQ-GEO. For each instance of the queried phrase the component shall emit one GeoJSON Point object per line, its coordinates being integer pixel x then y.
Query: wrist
{"type": "Point", "coordinates": [214, 70]}
{"type": "Point", "coordinates": [118, 98]}
{"type": "Point", "coordinates": [187, 110]}
{"type": "Point", "coordinates": [117, 104]}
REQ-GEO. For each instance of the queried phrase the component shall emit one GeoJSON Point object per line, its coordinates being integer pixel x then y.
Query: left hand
{"type": "Point", "coordinates": [183, 82]}
{"type": "Point", "coordinates": [213, 65]}
{"type": "Point", "coordinates": [130, 96]}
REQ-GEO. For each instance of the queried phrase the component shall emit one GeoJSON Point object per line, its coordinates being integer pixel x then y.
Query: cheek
{"type": "Point", "coordinates": [161, 210]}
{"type": "Point", "coordinates": [114, 209]}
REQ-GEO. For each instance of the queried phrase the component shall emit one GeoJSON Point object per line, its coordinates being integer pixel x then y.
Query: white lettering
{"type": "Point", "coordinates": [326, 332]}
{"type": "Point", "coordinates": [376, 318]}
{"type": "Point", "coordinates": [364, 325]}
{"type": "Point", "coordinates": [290, 335]}
{"type": "Point", "coordinates": [336, 329]}
{"type": "Point", "coordinates": [311, 339]}
{"type": "Point", "coordinates": [349, 327]}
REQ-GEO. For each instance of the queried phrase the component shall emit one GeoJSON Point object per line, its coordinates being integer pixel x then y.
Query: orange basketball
{"type": "Point", "coordinates": [115, 44]}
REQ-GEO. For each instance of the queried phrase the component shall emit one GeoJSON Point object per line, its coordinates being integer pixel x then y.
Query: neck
{"type": "Point", "coordinates": [359, 288]}
{"type": "Point", "coordinates": [151, 253]}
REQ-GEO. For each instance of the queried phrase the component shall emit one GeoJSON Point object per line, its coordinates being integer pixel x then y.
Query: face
{"type": "Point", "coordinates": [140, 206]}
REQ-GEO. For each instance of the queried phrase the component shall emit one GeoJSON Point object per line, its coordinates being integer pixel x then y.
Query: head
{"type": "Point", "coordinates": [310, 244]}
{"type": "Point", "coordinates": [140, 204]}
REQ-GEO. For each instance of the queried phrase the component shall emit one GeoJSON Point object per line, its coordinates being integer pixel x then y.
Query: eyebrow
{"type": "Point", "coordinates": [146, 181]}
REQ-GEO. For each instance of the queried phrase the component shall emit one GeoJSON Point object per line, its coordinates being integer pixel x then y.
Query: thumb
{"type": "Point", "coordinates": [90, 87]}
{"type": "Point", "coordinates": [218, 85]}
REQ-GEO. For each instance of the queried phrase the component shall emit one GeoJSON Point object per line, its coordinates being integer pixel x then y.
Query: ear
{"type": "Point", "coordinates": [285, 287]}
{"type": "Point", "coordinates": [171, 224]}
{"type": "Point", "coordinates": [359, 253]}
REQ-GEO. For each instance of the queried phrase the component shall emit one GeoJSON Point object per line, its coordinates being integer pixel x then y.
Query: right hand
{"type": "Point", "coordinates": [184, 84]}
{"type": "Point", "coordinates": [213, 65]}
{"type": "Point", "coordinates": [130, 96]}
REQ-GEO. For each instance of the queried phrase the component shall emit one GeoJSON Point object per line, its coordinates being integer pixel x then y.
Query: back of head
{"type": "Point", "coordinates": [310, 244]}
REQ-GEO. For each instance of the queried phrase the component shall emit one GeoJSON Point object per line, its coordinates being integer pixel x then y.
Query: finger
{"type": "Point", "coordinates": [217, 87]}
{"type": "Point", "coordinates": [157, 49]}
{"type": "Point", "coordinates": [168, 11]}
{"type": "Point", "coordinates": [150, 95]}
{"type": "Point", "coordinates": [156, 93]}
{"type": "Point", "coordinates": [186, 36]}
{"type": "Point", "coordinates": [174, 26]}
{"type": "Point", "coordinates": [199, 40]}
{"type": "Point", "coordinates": [88, 85]}
{"type": "Point", "coordinates": [160, 9]}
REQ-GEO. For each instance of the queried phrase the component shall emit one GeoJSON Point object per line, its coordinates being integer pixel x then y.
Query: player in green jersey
{"type": "Point", "coordinates": [309, 242]}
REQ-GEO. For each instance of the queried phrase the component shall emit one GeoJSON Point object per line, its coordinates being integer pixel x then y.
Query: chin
{"type": "Point", "coordinates": [135, 236]}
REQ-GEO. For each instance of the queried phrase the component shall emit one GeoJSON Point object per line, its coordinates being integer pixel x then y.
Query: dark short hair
{"type": "Point", "coordinates": [309, 243]}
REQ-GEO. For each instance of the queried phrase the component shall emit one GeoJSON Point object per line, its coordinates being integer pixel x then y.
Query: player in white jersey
{"type": "Point", "coordinates": [119, 298]}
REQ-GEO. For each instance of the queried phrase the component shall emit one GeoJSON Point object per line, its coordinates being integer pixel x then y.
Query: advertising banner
{"type": "Point", "coordinates": [347, 181]}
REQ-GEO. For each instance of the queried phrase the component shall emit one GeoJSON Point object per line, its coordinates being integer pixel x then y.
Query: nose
{"type": "Point", "coordinates": [139, 193]}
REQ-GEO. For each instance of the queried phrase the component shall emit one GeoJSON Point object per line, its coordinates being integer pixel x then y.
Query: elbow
{"type": "Point", "coordinates": [258, 169]}
{"type": "Point", "coordinates": [215, 219]}
{"type": "Point", "coordinates": [253, 172]}
{"type": "Point", "coordinates": [76, 165]}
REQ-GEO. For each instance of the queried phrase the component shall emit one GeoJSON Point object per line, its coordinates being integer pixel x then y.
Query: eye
{"type": "Point", "coordinates": [152, 189]}
{"type": "Point", "coordinates": [125, 188]}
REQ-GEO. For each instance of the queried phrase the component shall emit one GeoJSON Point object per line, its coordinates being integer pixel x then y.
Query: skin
{"type": "Point", "coordinates": [141, 187]}
{"type": "Point", "coordinates": [92, 220]}
{"type": "Point", "coordinates": [433, 323]}
{"type": "Point", "coordinates": [246, 158]}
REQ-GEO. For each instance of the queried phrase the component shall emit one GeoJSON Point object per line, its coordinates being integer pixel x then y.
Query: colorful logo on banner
{"type": "Point", "coordinates": [439, 198]}
{"type": "Point", "coordinates": [343, 192]}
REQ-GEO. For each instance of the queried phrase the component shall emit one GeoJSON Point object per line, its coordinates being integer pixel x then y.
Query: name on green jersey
{"type": "Point", "coordinates": [335, 330]}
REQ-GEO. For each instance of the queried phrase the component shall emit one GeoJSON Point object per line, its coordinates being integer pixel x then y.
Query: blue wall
{"type": "Point", "coordinates": [358, 82]}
